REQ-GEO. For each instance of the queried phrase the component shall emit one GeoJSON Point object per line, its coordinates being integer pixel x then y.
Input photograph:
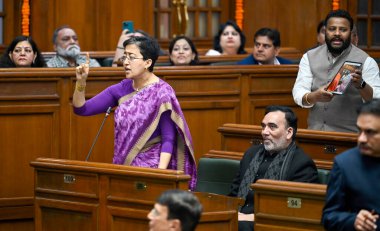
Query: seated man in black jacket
{"type": "Point", "coordinates": [278, 158]}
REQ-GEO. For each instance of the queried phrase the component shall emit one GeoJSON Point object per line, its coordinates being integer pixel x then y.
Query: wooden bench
{"type": "Point", "coordinates": [323, 167]}
{"type": "Point", "coordinates": [105, 58]}
{"type": "Point", "coordinates": [79, 195]}
{"type": "Point", "coordinates": [285, 52]}
{"type": "Point", "coordinates": [320, 145]}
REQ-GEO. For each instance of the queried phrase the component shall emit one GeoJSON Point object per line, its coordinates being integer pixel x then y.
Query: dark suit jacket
{"type": "Point", "coordinates": [302, 169]}
{"type": "Point", "coordinates": [353, 185]}
{"type": "Point", "coordinates": [250, 60]}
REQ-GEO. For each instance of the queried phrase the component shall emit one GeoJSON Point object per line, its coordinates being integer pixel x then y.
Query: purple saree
{"type": "Point", "coordinates": [137, 118]}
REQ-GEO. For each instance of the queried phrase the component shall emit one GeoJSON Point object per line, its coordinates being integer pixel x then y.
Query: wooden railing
{"type": "Point", "coordinates": [320, 145]}
{"type": "Point", "coordinates": [286, 52]}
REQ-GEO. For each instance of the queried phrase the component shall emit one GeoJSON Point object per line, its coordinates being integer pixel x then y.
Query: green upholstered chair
{"type": "Point", "coordinates": [323, 176]}
{"type": "Point", "coordinates": [215, 175]}
{"type": "Point", "coordinates": [106, 62]}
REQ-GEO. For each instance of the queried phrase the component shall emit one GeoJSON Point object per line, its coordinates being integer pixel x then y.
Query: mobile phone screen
{"type": "Point", "coordinates": [128, 25]}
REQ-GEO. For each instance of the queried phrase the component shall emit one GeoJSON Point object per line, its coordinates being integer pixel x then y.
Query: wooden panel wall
{"type": "Point", "coordinates": [297, 20]}
{"type": "Point", "coordinates": [12, 21]}
{"type": "Point", "coordinates": [98, 22]}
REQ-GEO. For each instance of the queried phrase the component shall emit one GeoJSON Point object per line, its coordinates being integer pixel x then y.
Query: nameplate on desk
{"type": "Point", "coordinates": [294, 203]}
{"type": "Point", "coordinates": [68, 178]}
{"type": "Point", "coordinates": [330, 149]}
{"type": "Point", "coordinates": [140, 185]}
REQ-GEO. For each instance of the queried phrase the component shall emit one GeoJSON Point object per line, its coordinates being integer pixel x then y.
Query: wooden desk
{"type": "Point", "coordinates": [219, 212]}
{"type": "Point", "coordinates": [285, 205]}
{"type": "Point", "coordinates": [77, 195]}
{"type": "Point", "coordinates": [321, 146]}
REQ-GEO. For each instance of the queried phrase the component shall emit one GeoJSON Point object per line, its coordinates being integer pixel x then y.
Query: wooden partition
{"type": "Point", "coordinates": [285, 52]}
{"type": "Point", "coordinates": [290, 53]}
{"type": "Point", "coordinates": [289, 206]}
{"type": "Point", "coordinates": [320, 145]}
{"type": "Point", "coordinates": [219, 212]}
{"type": "Point", "coordinates": [37, 120]}
{"type": "Point", "coordinates": [77, 195]}
{"type": "Point", "coordinates": [321, 164]}
{"type": "Point", "coordinates": [224, 154]}
{"type": "Point", "coordinates": [286, 16]}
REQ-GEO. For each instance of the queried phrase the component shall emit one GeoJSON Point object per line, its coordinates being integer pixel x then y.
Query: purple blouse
{"type": "Point", "coordinates": [109, 98]}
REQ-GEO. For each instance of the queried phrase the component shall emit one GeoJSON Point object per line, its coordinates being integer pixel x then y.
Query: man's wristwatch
{"type": "Point", "coordinates": [362, 84]}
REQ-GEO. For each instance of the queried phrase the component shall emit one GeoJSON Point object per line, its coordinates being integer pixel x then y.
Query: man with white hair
{"type": "Point", "coordinates": [277, 158]}
{"type": "Point", "coordinates": [66, 45]}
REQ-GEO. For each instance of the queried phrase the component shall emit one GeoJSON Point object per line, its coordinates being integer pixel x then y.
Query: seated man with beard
{"type": "Point", "coordinates": [277, 158]}
{"type": "Point", "coordinates": [66, 45]}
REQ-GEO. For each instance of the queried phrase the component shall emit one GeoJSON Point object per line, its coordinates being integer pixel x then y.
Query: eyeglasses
{"type": "Point", "coordinates": [129, 58]}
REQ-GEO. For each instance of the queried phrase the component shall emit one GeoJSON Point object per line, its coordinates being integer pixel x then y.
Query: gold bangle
{"type": "Point", "coordinates": [79, 87]}
{"type": "Point", "coordinates": [307, 101]}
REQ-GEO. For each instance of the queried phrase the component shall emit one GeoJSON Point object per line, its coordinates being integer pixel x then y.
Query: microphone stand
{"type": "Point", "coordinates": [97, 135]}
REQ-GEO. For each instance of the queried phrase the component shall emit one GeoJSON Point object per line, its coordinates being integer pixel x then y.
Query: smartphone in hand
{"type": "Point", "coordinates": [129, 26]}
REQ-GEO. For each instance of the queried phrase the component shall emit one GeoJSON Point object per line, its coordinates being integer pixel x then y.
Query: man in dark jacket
{"type": "Point", "coordinates": [352, 197]}
{"type": "Point", "coordinates": [265, 49]}
{"type": "Point", "coordinates": [278, 158]}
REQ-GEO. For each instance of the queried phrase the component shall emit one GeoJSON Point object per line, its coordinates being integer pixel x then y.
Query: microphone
{"type": "Point", "coordinates": [97, 135]}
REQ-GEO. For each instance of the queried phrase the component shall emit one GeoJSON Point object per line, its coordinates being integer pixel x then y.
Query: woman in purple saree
{"type": "Point", "coordinates": [150, 128]}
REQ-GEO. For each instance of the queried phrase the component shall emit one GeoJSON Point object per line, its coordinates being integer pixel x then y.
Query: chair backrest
{"type": "Point", "coordinates": [323, 175]}
{"type": "Point", "coordinates": [215, 175]}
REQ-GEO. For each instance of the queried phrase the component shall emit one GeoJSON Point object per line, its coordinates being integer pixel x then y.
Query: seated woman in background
{"type": "Point", "coordinates": [230, 40]}
{"type": "Point", "coordinates": [22, 52]}
{"type": "Point", "coordinates": [182, 52]}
